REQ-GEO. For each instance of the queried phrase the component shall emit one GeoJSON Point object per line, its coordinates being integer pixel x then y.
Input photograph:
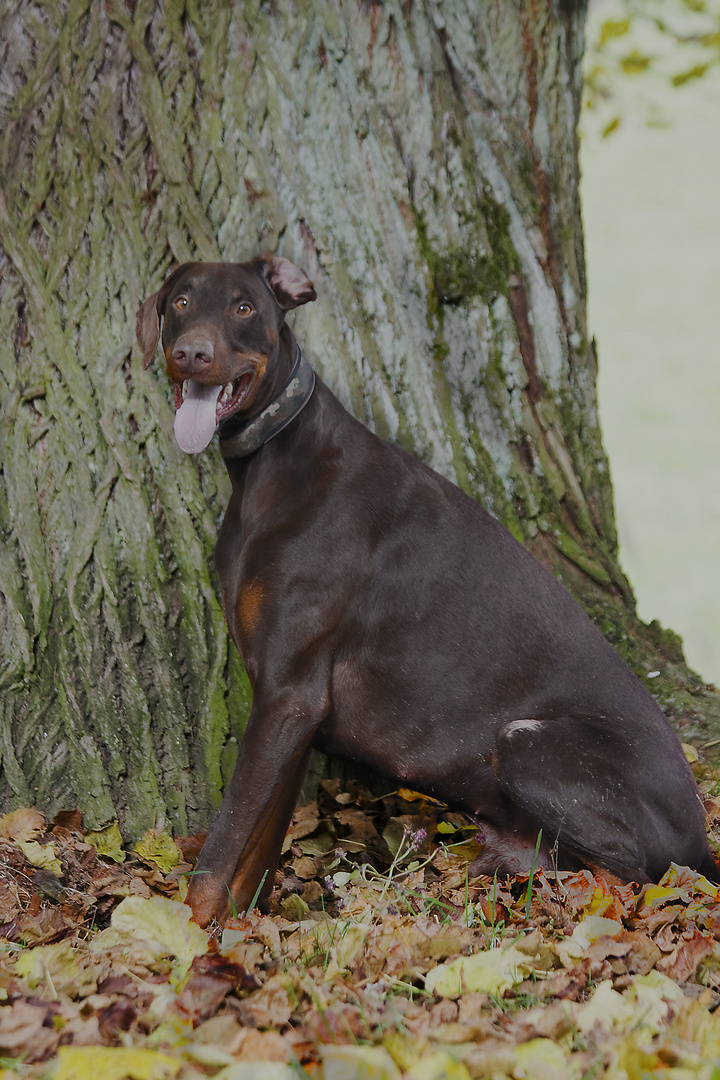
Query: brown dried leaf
{"type": "Point", "coordinates": [25, 824]}
{"type": "Point", "coordinates": [268, 1007]}
{"type": "Point", "coordinates": [191, 846]}
{"type": "Point", "coordinates": [43, 927]}
{"type": "Point", "coordinates": [10, 903]}
{"type": "Point", "coordinates": [118, 1016]}
{"type": "Point", "coordinates": [23, 1033]}
{"type": "Point", "coordinates": [69, 819]}
{"type": "Point", "coordinates": [358, 824]}
{"type": "Point", "coordinates": [682, 963]}
{"type": "Point", "coordinates": [304, 868]}
{"type": "Point", "coordinates": [223, 1032]}
{"type": "Point", "coordinates": [261, 1046]}
{"type": "Point", "coordinates": [210, 980]}
{"type": "Point", "coordinates": [644, 953]}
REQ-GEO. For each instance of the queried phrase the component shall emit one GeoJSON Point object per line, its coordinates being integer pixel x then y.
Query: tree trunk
{"type": "Point", "coordinates": [419, 161]}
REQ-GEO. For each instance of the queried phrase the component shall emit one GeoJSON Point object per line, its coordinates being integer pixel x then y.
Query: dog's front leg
{"type": "Point", "coordinates": [246, 839]}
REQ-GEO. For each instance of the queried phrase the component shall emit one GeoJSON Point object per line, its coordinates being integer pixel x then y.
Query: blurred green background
{"type": "Point", "coordinates": [650, 159]}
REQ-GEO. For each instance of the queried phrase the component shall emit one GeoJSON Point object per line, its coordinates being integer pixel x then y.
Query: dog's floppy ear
{"type": "Point", "coordinates": [147, 328]}
{"type": "Point", "coordinates": [289, 285]}
{"type": "Point", "coordinates": [147, 323]}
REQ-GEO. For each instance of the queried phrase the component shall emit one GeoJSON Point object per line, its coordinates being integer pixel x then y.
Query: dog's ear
{"type": "Point", "coordinates": [289, 285]}
{"type": "Point", "coordinates": [147, 328]}
{"type": "Point", "coordinates": [147, 323]}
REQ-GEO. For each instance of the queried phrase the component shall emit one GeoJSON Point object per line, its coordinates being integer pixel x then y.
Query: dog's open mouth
{"type": "Point", "coordinates": [201, 408]}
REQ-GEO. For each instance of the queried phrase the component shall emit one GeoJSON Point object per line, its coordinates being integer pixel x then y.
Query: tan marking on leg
{"type": "Point", "coordinates": [250, 604]}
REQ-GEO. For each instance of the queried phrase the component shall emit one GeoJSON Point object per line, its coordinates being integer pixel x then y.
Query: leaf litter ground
{"type": "Point", "coordinates": [381, 958]}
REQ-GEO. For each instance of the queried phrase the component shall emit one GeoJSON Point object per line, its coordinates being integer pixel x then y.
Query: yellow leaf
{"type": "Point", "coordinates": [606, 1008]}
{"type": "Point", "coordinates": [684, 878]}
{"type": "Point", "coordinates": [695, 1024]}
{"type": "Point", "coordinates": [23, 824]}
{"type": "Point", "coordinates": [492, 971]}
{"type": "Point", "coordinates": [438, 1066]}
{"type": "Point", "coordinates": [653, 995]}
{"type": "Point", "coordinates": [655, 896]}
{"type": "Point", "coordinates": [159, 848]}
{"type": "Point", "coordinates": [61, 968]}
{"type": "Point", "coordinates": [163, 924]}
{"type": "Point", "coordinates": [417, 796]}
{"type": "Point", "coordinates": [628, 1059]}
{"type": "Point", "coordinates": [43, 856]}
{"type": "Point", "coordinates": [446, 827]}
{"type": "Point", "coordinates": [403, 1048]}
{"type": "Point", "coordinates": [357, 1063]}
{"type": "Point", "coordinates": [348, 944]}
{"type": "Point", "coordinates": [108, 842]}
{"type": "Point", "coordinates": [599, 902]}
{"type": "Point", "coordinates": [586, 931]}
{"type": "Point", "coordinates": [539, 1059]}
{"type": "Point", "coordinates": [114, 1063]}
{"type": "Point", "coordinates": [258, 1070]}
{"type": "Point", "coordinates": [468, 849]}
{"type": "Point", "coordinates": [182, 890]}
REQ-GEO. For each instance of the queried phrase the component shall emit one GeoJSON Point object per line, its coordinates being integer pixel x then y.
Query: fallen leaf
{"type": "Point", "coordinates": [540, 1059]}
{"type": "Point", "coordinates": [656, 896]}
{"type": "Point", "coordinates": [69, 819]}
{"type": "Point", "coordinates": [61, 968]}
{"type": "Point", "coordinates": [587, 930]}
{"type": "Point", "coordinates": [23, 1033]}
{"type": "Point", "coordinates": [10, 903]}
{"type": "Point", "coordinates": [24, 824]}
{"type": "Point", "coordinates": [114, 1063]}
{"type": "Point", "coordinates": [210, 980]}
{"type": "Point", "coordinates": [438, 1066]}
{"type": "Point", "coordinates": [685, 878]}
{"type": "Point", "coordinates": [108, 842]}
{"type": "Point", "coordinates": [682, 963]}
{"type": "Point", "coordinates": [493, 971]}
{"type": "Point", "coordinates": [257, 1070]}
{"type": "Point", "coordinates": [606, 1008]}
{"type": "Point", "coordinates": [268, 1007]}
{"type": "Point", "coordinates": [163, 924]}
{"type": "Point", "coordinates": [358, 1063]}
{"type": "Point", "coordinates": [41, 855]}
{"type": "Point", "coordinates": [159, 848]}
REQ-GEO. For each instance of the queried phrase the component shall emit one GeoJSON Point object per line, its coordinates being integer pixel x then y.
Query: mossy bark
{"type": "Point", "coordinates": [419, 161]}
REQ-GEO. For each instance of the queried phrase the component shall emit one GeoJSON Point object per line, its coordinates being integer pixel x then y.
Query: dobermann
{"type": "Point", "coordinates": [383, 616]}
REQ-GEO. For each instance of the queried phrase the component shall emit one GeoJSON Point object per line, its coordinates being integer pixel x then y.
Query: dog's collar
{"type": "Point", "coordinates": [294, 396]}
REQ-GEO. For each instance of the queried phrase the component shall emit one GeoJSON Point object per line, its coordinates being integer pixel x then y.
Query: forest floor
{"type": "Point", "coordinates": [381, 958]}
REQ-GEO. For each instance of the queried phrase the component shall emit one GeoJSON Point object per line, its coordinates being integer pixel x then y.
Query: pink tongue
{"type": "Point", "coordinates": [195, 420]}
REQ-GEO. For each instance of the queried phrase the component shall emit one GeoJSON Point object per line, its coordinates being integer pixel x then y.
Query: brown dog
{"type": "Point", "coordinates": [384, 616]}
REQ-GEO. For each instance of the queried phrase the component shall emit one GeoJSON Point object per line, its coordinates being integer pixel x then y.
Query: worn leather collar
{"type": "Point", "coordinates": [294, 396]}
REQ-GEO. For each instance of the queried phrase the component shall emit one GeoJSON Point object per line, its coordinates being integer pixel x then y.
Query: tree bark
{"type": "Point", "coordinates": [419, 161]}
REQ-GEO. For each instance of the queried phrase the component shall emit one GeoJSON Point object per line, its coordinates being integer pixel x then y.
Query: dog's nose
{"type": "Point", "coordinates": [192, 354]}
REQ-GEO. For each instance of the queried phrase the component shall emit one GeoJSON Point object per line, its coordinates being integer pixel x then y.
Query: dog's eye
{"type": "Point", "coordinates": [181, 302]}
{"type": "Point", "coordinates": [244, 309]}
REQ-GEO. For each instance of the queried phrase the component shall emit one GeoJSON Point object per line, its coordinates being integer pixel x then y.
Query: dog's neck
{"type": "Point", "coordinates": [240, 437]}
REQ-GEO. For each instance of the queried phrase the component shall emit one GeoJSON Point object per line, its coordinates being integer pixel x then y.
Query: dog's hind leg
{"type": "Point", "coordinates": [608, 794]}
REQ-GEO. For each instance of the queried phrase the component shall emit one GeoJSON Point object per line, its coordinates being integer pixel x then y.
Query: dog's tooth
{"type": "Point", "coordinates": [228, 389]}
{"type": "Point", "coordinates": [184, 389]}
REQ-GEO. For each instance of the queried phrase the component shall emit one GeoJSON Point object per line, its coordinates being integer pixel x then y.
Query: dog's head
{"type": "Point", "coordinates": [221, 326]}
